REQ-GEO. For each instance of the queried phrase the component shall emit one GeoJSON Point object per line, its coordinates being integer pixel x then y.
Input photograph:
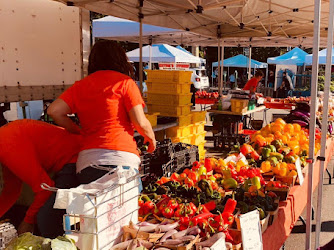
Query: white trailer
{"type": "Point", "coordinates": [44, 47]}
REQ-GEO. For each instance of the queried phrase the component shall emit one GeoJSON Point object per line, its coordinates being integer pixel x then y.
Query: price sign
{"type": "Point", "coordinates": [219, 244]}
{"type": "Point", "coordinates": [299, 171]}
{"type": "Point", "coordinates": [251, 231]}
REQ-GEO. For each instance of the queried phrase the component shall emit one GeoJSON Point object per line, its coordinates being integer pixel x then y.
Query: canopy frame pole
{"type": "Point", "coordinates": [219, 61]}
{"type": "Point", "coordinates": [314, 86]}
{"type": "Point", "coordinates": [150, 53]}
{"type": "Point", "coordinates": [266, 80]}
{"type": "Point", "coordinates": [222, 68]}
{"type": "Point", "coordinates": [141, 16]}
{"type": "Point", "coordinates": [324, 125]}
{"type": "Point", "coordinates": [250, 62]}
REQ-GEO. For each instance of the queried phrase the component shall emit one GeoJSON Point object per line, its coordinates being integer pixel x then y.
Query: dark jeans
{"type": "Point", "coordinates": [50, 220]}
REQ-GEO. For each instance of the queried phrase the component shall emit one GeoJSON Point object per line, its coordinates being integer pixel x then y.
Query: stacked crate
{"type": "Point", "coordinates": [168, 92]}
{"type": "Point", "coordinates": [198, 131]}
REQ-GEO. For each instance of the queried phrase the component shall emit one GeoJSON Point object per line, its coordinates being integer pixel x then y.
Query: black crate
{"type": "Point", "coordinates": [145, 163]}
{"type": "Point", "coordinates": [167, 168]}
{"type": "Point", "coordinates": [184, 156]}
{"type": "Point", "coordinates": [164, 149]}
{"type": "Point", "coordinates": [226, 142]}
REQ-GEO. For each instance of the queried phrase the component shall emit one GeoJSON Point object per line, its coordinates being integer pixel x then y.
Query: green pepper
{"type": "Point", "coordinates": [256, 181]}
{"type": "Point", "coordinates": [151, 188]}
{"type": "Point", "coordinates": [247, 184]}
{"type": "Point", "coordinates": [243, 207]}
{"type": "Point", "coordinates": [216, 195]}
{"type": "Point", "coordinates": [303, 153]}
{"type": "Point", "coordinates": [277, 143]}
{"type": "Point", "coordinates": [201, 199]}
{"type": "Point", "coordinates": [272, 148]}
{"type": "Point", "coordinates": [262, 213]}
{"type": "Point", "coordinates": [205, 186]}
{"type": "Point", "coordinates": [284, 150]}
{"type": "Point", "coordinates": [290, 159]}
{"type": "Point", "coordinates": [273, 160]}
{"type": "Point", "coordinates": [266, 153]}
{"type": "Point", "coordinates": [278, 156]}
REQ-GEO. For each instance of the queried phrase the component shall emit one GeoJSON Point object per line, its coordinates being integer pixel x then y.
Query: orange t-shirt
{"type": "Point", "coordinates": [102, 102]}
{"type": "Point", "coordinates": [30, 149]}
{"type": "Point", "coordinates": [251, 83]}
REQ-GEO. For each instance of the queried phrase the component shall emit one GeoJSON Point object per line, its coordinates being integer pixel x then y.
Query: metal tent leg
{"type": "Point", "coordinates": [329, 176]}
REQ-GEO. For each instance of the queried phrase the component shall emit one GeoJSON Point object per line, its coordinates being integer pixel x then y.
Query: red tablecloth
{"type": "Point", "coordinates": [278, 105]}
{"type": "Point", "coordinates": [290, 210]}
{"type": "Point", "coordinates": [205, 101]}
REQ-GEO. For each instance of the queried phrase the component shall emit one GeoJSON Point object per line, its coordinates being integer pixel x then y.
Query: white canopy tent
{"type": "Point", "coordinates": [162, 53]}
{"type": "Point", "coordinates": [239, 18]}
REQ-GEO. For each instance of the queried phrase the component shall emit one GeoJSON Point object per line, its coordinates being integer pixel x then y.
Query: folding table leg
{"type": "Point", "coordinates": [330, 176]}
{"type": "Point", "coordinates": [302, 220]}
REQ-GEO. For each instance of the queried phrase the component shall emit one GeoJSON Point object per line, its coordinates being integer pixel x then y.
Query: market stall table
{"type": "Point", "coordinates": [248, 113]}
{"type": "Point", "coordinates": [160, 127]}
{"type": "Point", "coordinates": [205, 102]}
{"type": "Point", "coordinates": [290, 210]}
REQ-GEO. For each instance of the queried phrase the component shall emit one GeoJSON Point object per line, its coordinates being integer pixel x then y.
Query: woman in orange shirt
{"type": "Point", "coordinates": [29, 150]}
{"type": "Point", "coordinates": [109, 106]}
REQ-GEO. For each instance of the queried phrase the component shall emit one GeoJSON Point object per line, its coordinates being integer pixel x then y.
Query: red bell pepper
{"type": "Point", "coordinates": [173, 204]}
{"type": "Point", "coordinates": [246, 149]}
{"type": "Point", "coordinates": [230, 206]}
{"type": "Point", "coordinates": [208, 164]}
{"type": "Point", "coordinates": [148, 207]}
{"type": "Point", "coordinates": [196, 165]}
{"type": "Point", "coordinates": [193, 176]}
{"type": "Point", "coordinates": [193, 207]}
{"type": "Point", "coordinates": [168, 213]}
{"type": "Point", "coordinates": [184, 221]}
{"type": "Point", "coordinates": [211, 205]}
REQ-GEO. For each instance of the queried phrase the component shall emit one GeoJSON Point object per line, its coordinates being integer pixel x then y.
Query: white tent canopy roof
{"type": "Point", "coordinates": [231, 18]}
{"type": "Point", "coordinates": [163, 53]}
{"type": "Point", "coordinates": [114, 28]}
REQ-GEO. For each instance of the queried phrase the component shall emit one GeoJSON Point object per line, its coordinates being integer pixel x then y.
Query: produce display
{"type": "Point", "coordinates": [206, 95]}
{"type": "Point", "coordinates": [201, 204]}
{"type": "Point", "coordinates": [29, 241]}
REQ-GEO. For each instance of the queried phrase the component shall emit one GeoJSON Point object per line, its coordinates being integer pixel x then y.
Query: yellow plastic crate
{"type": "Point", "coordinates": [152, 118]}
{"type": "Point", "coordinates": [178, 131]}
{"type": "Point", "coordinates": [198, 138]}
{"type": "Point", "coordinates": [184, 120]}
{"type": "Point", "coordinates": [186, 139]}
{"type": "Point", "coordinates": [198, 116]}
{"type": "Point", "coordinates": [163, 99]}
{"type": "Point", "coordinates": [239, 105]}
{"type": "Point", "coordinates": [173, 111]}
{"type": "Point", "coordinates": [171, 76]}
{"type": "Point", "coordinates": [168, 88]}
{"type": "Point", "coordinates": [201, 154]}
{"type": "Point", "coordinates": [201, 146]}
{"type": "Point", "coordinates": [198, 127]}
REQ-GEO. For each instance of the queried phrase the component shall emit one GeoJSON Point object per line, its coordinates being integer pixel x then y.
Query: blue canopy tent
{"type": "Point", "coordinates": [295, 56]}
{"type": "Point", "coordinates": [322, 57]}
{"type": "Point", "coordinates": [241, 61]}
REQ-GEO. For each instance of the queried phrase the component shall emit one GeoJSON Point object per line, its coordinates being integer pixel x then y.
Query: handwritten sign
{"type": "Point", "coordinates": [219, 244]}
{"type": "Point", "coordinates": [251, 231]}
{"type": "Point", "coordinates": [299, 171]}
